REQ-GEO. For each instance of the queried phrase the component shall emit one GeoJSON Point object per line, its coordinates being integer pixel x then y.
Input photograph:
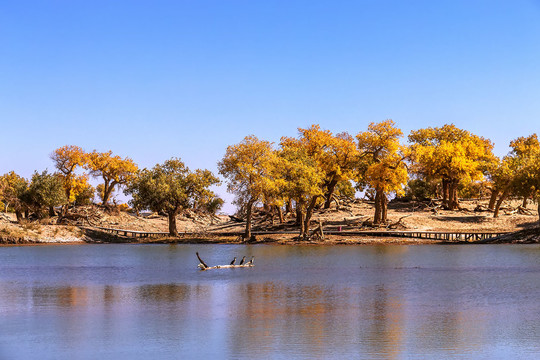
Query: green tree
{"type": "Point", "coordinates": [45, 191]}
{"type": "Point", "coordinates": [170, 187]}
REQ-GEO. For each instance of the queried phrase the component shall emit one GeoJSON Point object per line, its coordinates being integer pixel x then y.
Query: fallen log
{"type": "Point", "coordinates": [235, 219]}
{"type": "Point", "coordinates": [203, 266]}
{"type": "Point", "coordinates": [318, 232]}
{"type": "Point", "coordinates": [398, 223]}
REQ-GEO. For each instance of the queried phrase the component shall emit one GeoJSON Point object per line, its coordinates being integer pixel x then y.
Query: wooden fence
{"type": "Point", "coordinates": [449, 236]}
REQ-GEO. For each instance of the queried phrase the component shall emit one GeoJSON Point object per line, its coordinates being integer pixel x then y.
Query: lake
{"type": "Point", "coordinates": [123, 301]}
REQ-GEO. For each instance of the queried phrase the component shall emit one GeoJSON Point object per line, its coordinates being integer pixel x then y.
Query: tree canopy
{"type": "Point", "coordinates": [171, 187]}
{"type": "Point", "coordinates": [248, 167]}
{"type": "Point", "coordinates": [66, 159]}
{"type": "Point", "coordinates": [113, 170]}
{"type": "Point", "coordinates": [12, 188]}
{"type": "Point", "coordinates": [45, 191]}
{"type": "Point", "coordinates": [382, 162]}
{"type": "Point", "coordinates": [451, 155]}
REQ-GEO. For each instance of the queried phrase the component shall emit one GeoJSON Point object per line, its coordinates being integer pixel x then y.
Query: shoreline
{"type": "Point", "coordinates": [530, 236]}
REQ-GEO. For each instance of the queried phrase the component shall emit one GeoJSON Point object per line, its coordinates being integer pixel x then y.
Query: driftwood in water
{"type": "Point", "coordinates": [203, 266]}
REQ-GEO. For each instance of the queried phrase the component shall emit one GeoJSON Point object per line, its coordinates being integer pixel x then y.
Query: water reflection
{"type": "Point", "coordinates": [63, 296]}
{"type": "Point", "coordinates": [163, 293]}
{"type": "Point", "coordinates": [373, 302]}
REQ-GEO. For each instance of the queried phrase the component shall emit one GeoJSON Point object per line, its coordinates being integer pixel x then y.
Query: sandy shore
{"type": "Point", "coordinates": [352, 216]}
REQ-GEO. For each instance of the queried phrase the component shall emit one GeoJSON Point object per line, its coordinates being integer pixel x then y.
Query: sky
{"type": "Point", "coordinates": [186, 78]}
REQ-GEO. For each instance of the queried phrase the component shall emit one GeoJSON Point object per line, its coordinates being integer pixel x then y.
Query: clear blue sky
{"type": "Point", "coordinates": [157, 79]}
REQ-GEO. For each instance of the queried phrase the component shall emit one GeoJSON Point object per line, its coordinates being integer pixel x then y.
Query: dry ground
{"type": "Point", "coordinates": [351, 216]}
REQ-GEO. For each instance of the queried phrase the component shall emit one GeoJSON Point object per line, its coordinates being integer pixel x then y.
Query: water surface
{"type": "Point", "coordinates": [365, 302]}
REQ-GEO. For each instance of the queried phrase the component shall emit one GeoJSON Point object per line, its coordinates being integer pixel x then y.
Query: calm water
{"type": "Point", "coordinates": [372, 302]}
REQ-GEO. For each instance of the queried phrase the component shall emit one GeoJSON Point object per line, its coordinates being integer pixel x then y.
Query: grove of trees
{"type": "Point", "coordinates": [295, 176]}
{"type": "Point", "coordinates": [439, 162]}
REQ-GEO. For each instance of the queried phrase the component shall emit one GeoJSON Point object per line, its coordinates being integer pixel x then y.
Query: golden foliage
{"type": "Point", "coordinates": [112, 169]}
{"type": "Point", "coordinates": [66, 159]}
{"type": "Point", "coordinates": [298, 174]}
{"type": "Point", "coordinates": [450, 153]}
{"type": "Point", "coordinates": [248, 167]}
{"type": "Point", "coordinates": [12, 186]}
{"type": "Point", "coordinates": [335, 155]}
{"type": "Point", "coordinates": [382, 158]}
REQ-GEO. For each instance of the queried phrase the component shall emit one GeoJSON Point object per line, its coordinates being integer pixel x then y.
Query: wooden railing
{"type": "Point", "coordinates": [131, 233]}
{"type": "Point", "coordinates": [430, 235]}
{"type": "Point", "coordinates": [449, 236]}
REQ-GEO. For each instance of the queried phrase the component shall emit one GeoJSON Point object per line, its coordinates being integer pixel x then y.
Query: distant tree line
{"type": "Point", "coordinates": [167, 188]}
{"type": "Point", "coordinates": [296, 176]}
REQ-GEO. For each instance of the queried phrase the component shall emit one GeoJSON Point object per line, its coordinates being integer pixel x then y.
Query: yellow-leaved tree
{"type": "Point", "coordinates": [533, 175]}
{"type": "Point", "coordinates": [503, 181]}
{"type": "Point", "coordinates": [12, 187]}
{"type": "Point", "coordinates": [519, 172]}
{"type": "Point", "coordinates": [526, 151]}
{"type": "Point", "coordinates": [335, 155]}
{"type": "Point", "coordinates": [113, 170]}
{"type": "Point", "coordinates": [299, 178]}
{"type": "Point", "coordinates": [66, 159]}
{"type": "Point", "coordinates": [82, 193]}
{"type": "Point", "coordinates": [249, 170]}
{"type": "Point", "coordinates": [332, 159]}
{"type": "Point", "coordinates": [382, 164]}
{"type": "Point", "coordinates": [451, 155]}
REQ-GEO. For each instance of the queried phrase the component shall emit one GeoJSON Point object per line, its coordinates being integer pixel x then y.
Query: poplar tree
{"type": "Point", "coordinates": [382, 162]}
{"type": "Point", "coordinates": [171, 187]}
{"type": "Point", "coordinates": [450, 155]}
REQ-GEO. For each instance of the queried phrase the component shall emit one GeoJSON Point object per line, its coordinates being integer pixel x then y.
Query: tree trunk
{"type": "Point", "coordinates": [330, 191]}
{"type": "Point", "coordinates": [384, 205]}
{"type": "Point", "coordinates": [493, 199]}
{"type": "Point", "coordinates": [68, 194]}
{"type": "Point", "coordinates": [380, 208]}
{"type": "Point", "coordinates": [453, 197]}
{"type": "Point", "coordinates": [525, 198]}
{"type": "Point", "coordinates": [18, 214]}
{"type": "Point", "coordinates": [302, 224]}
{"type": "Point", "coordinates": [499, 203]}
{"type": "Point", "coordinates": [249, 209]}
{"type": "Point", "coordinates": [173, 231]}
{"type": "Point", "coordinates": [107, 190]}
{"type": "Point", "coordinates": [299, 214]}
{"type": "Point", "coordinates": [280, 214]}
{"type": "Point", "coordinates": [538, 202]}
{"type": "Point", "coordinates": [309, 213]}
{"type": "Point", "coordinates": [51, 211]}
{"type": "Point", "coordinates": [377, 216]}
{"type": "Point", "coordinates": [445, 194]}
{"type": "Point", "coordinates": [288, 207]}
